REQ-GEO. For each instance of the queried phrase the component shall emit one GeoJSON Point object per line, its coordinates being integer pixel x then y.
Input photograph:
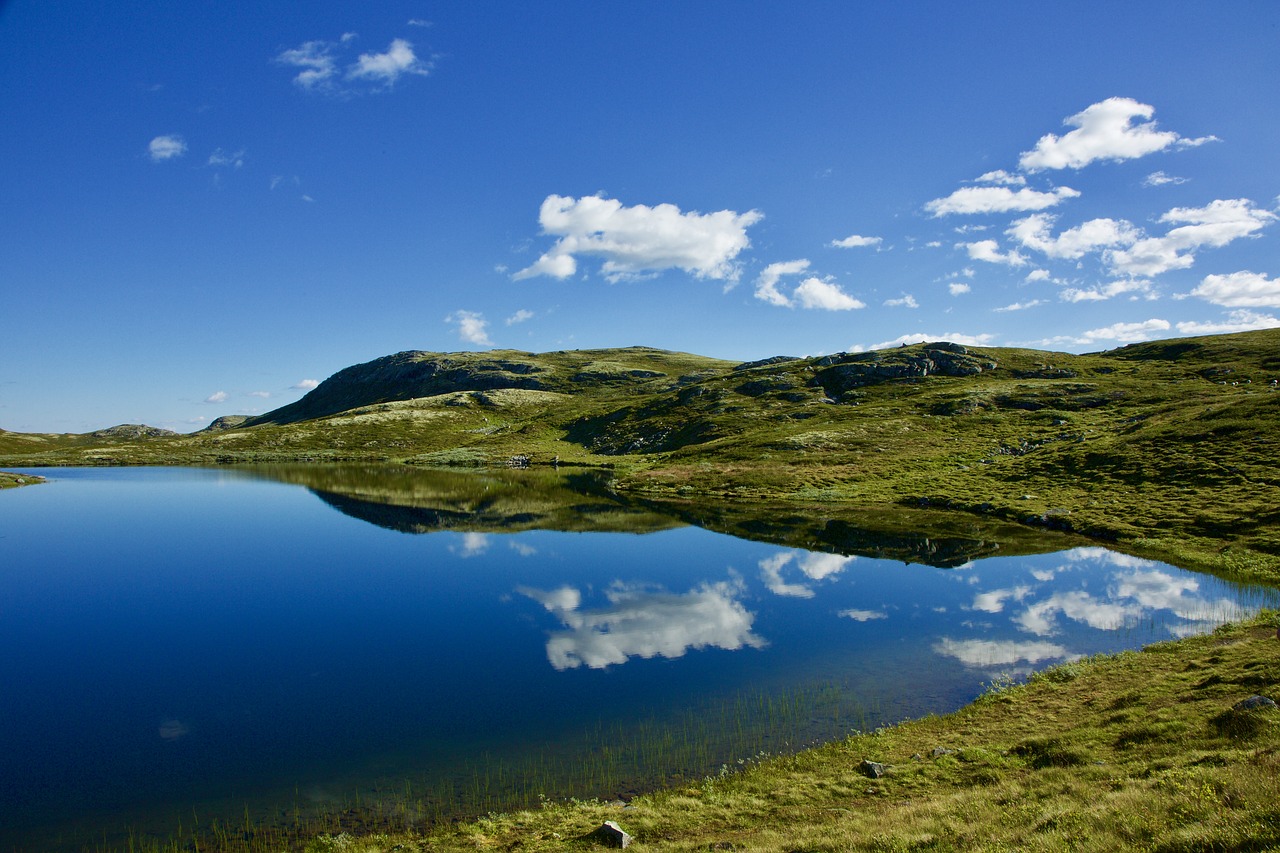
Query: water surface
{"type": "Point", "coordinates": [179, 645]}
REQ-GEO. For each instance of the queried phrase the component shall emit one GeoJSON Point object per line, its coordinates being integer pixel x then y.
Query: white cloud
{"type": "Point", "coordinates": [645, 624]}
{"type": "Point", "coordinates": [958, 288]}
{"type": "Point", "coordinates": [812, 293]}
{"type": "Point", "coordinates": [388, 67]}
{"type": "Point", "coordinates": [771, 574]}
{"type": "Point", "coordinates": [993, 601]}
{"type": "Point", "coordinates": [989, 251]}
{"type": "Point", "coordinates": [305, 385]}
{"type": "Point", "coordinates": [1242, 320]}
{"type": "Point", "coordinates": [863, 615]}
{"type": "Point", "coordinates": [519, 317]}
{"type": "Point", "coordinates": [1074, 243]}
{"type": "Point", "coordinates": [814, 565]}
{"type": "Point", "coordinates": [235, 159]}
{"type": "Point", "coordinates": [825, 295]}
{"type": "Point", "coordinates": [472, 545]}
{"type": "Point", "coordinates": [315, 58]}
{"type": "Point", "coordinates": [637, 240]}
{"type": "Point", "coordinates": [907, 301]}
{"type": "Point", "coordinates": [1110, 290]}
{"type": "Point", "coordinates": [999, 652]}
{"type": "Point", "coordinates": [166, 148]}
{"type": "Point", "coordinates": [1160, 179]}
{"type": "Point", "coordinates": [1020, 306]}
{"type": "Point", "coordinates": [1000, 176]}
{"type": "Point", "coordinates": [767, 281]}
{"type": "Point", "coordinates": [1215, 225]}
{"type": "Point", "coordinates": [818, 566]}
{"type": "Point", "coordinates": [1037, 275]}
{"type": "Point", "coordinates": [262, 395]}
{"type": "Point", "coordinates": [1104, 131]}
{"type": "Point", "coordinates": [1127, 332]}
{"type": "Point", "coordinates": [919, 338]}
{"type": "Point", "coordinates": [854, 241]}
{"type": "Point", "coordinates": [472, 327]}
{"type": "Point", "coordinates": [997, 200]}
{"type": "Point", "coordinates": [1240, 290]}
{"type": "Point", "coordinates": [216, 397]}
{"type": "Point", "coordinates": [1040, 618]}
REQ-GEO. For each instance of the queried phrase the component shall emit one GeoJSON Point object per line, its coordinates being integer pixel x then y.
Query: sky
{"type": "Point", "coordinates": [207, 208]}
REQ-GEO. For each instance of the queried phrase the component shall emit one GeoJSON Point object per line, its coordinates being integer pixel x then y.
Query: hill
{"type": "Point", "coordinates": [1166, 448]}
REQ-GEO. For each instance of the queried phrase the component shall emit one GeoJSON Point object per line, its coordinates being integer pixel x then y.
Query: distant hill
{"type": "Point", "coordinates": [1170, 446]}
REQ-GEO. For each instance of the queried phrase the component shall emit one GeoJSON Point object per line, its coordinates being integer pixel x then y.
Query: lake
{"type": "Point", "coordinates": [188, 650]}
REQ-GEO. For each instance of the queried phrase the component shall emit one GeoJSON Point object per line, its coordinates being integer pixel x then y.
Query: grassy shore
{"type": "Point", "coordinates": [1136, 751]}
{"type": "Point", "coordinates": [13, 481]}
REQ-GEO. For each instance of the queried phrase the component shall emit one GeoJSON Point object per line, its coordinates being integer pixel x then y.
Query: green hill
{"type": "Point", "coordinates": [1167, 448]}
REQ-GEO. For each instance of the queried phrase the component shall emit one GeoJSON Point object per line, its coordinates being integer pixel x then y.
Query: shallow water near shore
{"type": "Point", "coordinates": [251, 647]}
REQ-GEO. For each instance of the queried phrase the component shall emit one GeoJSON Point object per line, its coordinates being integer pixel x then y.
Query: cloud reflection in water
{"type": "Point", "coordinates": [644, 623]}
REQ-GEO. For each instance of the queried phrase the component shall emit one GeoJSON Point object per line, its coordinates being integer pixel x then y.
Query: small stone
{"type": "Point", "coordinates": [872, 769]}
{"type": "Point", "coordinates": [939, 751]}
{"type": "Point", "coordinates": [1253, 703]}
{"type": "Point", "coordinates": [613, 835]}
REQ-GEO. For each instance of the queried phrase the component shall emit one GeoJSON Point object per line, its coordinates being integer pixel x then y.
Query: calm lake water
{"type": "Point", "coordinates": [179, 646]}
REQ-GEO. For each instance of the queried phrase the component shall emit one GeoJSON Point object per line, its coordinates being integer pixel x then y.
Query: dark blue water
{"type": "Point", "coordinates": [195, 642]}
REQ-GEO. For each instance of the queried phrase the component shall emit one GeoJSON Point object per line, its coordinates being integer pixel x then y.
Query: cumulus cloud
{"type": "Point", "coordinates": [906, 301]}
{"type": "Point", "coordinates": [998, 199]}
{"type": "Point", "coordinates": [1033, 233]}
{"type": "Point", "coordinates": [519, 317]}
{"type": "Point", "coordinates": [813, 292]}
{"type": "Point", "coordinates": [1242, 320]}
{"type": "Point", "coordinates": [824, 295]}
{"type": "Point", "coordinates": [166, 148]}
{"type": "Point", "coordinates": [1104, 131]}
{"type": "Point", "coordinates": [1041, 618]}
{"type": "Point", "coordinates": [638, 623]}
{"type": "Point", "coordinates": [1243, 289]}
{"type": "Point", "coordinates": [1214, 225]}
{"type": "Point", "coordinates": [770, 276]}
{"type": "Point", "coordinates": [989, 251]}
{"type": "Point", "coordinates": [216, 397]}
{"type": "Point", "coordinates": [993, 601]}
{"type": "Point", "coordinates": [639, 240]}
{"type": "Point", "coordinates": [472, 545]}
{"type": "Point", "coordinates": [1126, 332]}
{"type": "Point", "coordinates": [305, 384]}
{"type": "Point", "coordinates": [957, 288]}
{"type": "Point", "coordinates": [854, 241]}
{"type": "Point", "coordinates": [389, 66]}
{"type": "Point", "coordinates": [814, 565]}
{"type": "Point", "coordinates": [472, 327]}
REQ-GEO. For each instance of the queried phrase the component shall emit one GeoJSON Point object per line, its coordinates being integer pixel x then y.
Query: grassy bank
{"type": "Point", "coordinates": [12, 481]}
{"type": "Point", "coordinates": [1137, 751]}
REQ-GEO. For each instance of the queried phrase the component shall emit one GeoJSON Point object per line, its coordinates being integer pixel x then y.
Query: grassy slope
{"type": "Point", "coordinates": [1167, 449]}
{"type": "Point", "coordinates": [1138, 751]}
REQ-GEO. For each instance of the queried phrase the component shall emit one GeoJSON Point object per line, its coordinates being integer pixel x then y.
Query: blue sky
{"type": "Point", "coordinates": [208, 207]}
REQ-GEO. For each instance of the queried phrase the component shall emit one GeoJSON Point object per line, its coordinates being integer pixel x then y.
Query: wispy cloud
{"type": "Point", "coordinates": [639, 240]}
{"type": "Point", "coordinates": [998, 199]}
{"type": "Point", "coordinates": [217, 397]}
{"type": "Point", "coordinates": [305, 385]}
{"type": "Point", "coordinates": [989, 251]}
{"type": "Point", "coordinates": [519, 317]}
{"type": "Point", "coordinates": [1214, 225]}
{"type": "Point", "coordinates": [1242, 320]}
{"type": "Point", "coordinates": [233, 159]}
{"type": "Point", "coordinates": [1160, 179]}
{"type": "Point", "coordinates": [323, 69]}
{"type": "Point", "coordinates": [905, 301]}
